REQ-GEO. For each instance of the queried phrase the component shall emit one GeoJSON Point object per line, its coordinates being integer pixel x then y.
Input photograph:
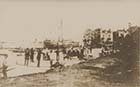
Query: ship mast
{"type": "Point", "coordinates": [60, 38]}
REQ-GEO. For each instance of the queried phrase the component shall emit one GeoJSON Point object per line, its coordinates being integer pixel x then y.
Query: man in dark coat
{"type": "Point", "coordinates": [27, 55]}
{"type": "Point", "coordinates": [32, 54]}
{"type": "Point", "coordinates": [39, 52]}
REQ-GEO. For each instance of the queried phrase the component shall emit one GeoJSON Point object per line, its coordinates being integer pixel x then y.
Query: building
{"type": "Point", "coordinates": [118, 37]}
{"type": "Point", "coordinates": [106, 37]}
{"type": "Point", "coordinates": [132, 29]}
{"type": "Point", "coordinates": [91, 38]}
{"type": "Point", "coordinates": [88, 38]}
{"type": "Point", "coordinates": [106, 42]}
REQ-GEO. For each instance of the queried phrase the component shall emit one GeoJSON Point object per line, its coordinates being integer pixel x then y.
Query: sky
{"type": "Point", "coordinates": [27, 20]}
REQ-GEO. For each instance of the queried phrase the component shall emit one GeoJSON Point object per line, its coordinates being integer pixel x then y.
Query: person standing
{"type": "Point", "coordinates": [39, 52]}
{"type": "Point", "coordinates": [44, 51]}
{"type": "Point", "coordinates": [32, 54]}
{"type": "Point", "coordinates": [82, 52]}
{"type": "Point", "coordinates": [27, 55]}
{"type": "Point", "coordinates": [4, 66]}
{"type": "Point", "coordinates": [52, 55]}
{"type": "Point", "coordinates": [57, 54]}
{"type": "Point", "coordinates": [47, 54]}
{"type": "Point", "coordinates": [64, 53]}
{"type": "Point", "coordinates": [51, 58]}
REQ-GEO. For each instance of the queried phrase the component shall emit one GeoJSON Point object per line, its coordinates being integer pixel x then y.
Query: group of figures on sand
{"type": "Point", "coordinates": [52, 55]}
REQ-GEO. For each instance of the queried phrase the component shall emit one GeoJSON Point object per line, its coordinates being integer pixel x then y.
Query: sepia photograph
{"type": "Point", "coordinates": [69, 43]}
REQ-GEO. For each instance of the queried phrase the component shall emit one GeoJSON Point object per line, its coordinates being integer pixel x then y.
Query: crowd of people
{"type": "Point", "coordinates": [52, 55]}
{"type": "Point", "coordinates": [56, 57]}
{"type": "Point", "coordinates": [29, 56]}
